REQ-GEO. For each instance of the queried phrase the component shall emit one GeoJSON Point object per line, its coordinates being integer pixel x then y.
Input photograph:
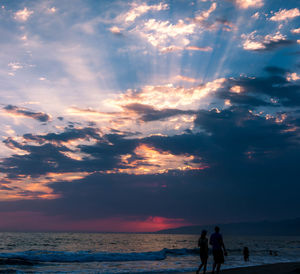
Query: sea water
{"type": "Point", "coordinates": [130, 253]}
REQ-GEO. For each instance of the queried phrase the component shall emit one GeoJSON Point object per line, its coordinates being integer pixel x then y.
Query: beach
{"type": "Point", "coordinates": [281, 268]}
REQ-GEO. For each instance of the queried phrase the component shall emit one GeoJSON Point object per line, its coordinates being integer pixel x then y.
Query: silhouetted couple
{"type": "Point", "coordinates": [218, 250]}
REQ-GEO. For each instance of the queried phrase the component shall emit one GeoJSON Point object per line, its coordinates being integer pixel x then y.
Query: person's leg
{"type": "Point", "coordinates": [199, 268]}
{"type": "Point", "coordinates": [214, 267]}
{"type": "Point", "coordinates": [204, 268]}
{"type": "Point", "coordinates": [218, 268]}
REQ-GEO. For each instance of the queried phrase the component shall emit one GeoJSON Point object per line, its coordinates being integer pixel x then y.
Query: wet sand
{"type": "Point", "coordinates": [282, 268]}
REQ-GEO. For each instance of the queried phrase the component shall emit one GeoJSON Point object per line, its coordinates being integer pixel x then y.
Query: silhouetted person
{"type": "Point", "coordinates": [203, 244]}
{"type": "Point", "coordinates": [246, 254]}
{"type": "Point", "coordinates": [218, 249]}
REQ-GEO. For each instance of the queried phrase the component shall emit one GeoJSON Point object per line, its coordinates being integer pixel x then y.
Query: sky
{"type": "Point", "coordinates": [145, 115]}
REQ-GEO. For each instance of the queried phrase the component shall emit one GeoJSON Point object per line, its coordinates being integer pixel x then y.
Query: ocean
{"type": "Point", "coordinates": [130, 253]}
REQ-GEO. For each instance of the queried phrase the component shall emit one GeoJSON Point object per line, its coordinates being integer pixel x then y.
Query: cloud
{"type": "Point", "coordinates": [174, 48]}
{"type": "Point", "coordinates": [160, 33]}
{"type": "Point", "coordinates": [198, 48]}
{"type": "Point", "coordinates": [15, 66]}
{"type": "Point", "coordinates": [139, 9]}
{"type": "Point", "coordinates": [230, 138]}
{"type": "Point", "coordinates": [149, 113]}
{"type": "Point", "coordinates": [23, 15]}
{"type": "Point", "coordinates": [69, 134]}
{"type": "Point", "coordinates": [275, 70]}
{"type": "Point", "coordinates": [204, 15]}
{"type": "Point", "coordinates": [52, 10]}
{"type": "Point", "coordinates": [115, 30]}
{"type": "Point", "coordinates": [24, 112]}
{"type": "Point", "coordinates": [253, 42]}
{"type": "Point", "coordinates": [274, 90]}
{"type": "Point", "coordinates": [168, 96]}
{"type": "Point", "coordinates": [284, 15]}
{"type": "Point", "coordinates": [186, 79]}
{"type": "Point", "coordinates": [245, 4]}
{"type": "Point", "coordinates": [295, 31]}
{"type": "Point", "coordinates": [149, 160]}
{"type": "Point", "coordinates": [249, 145]}
{"type": "Point", "coordinates": [255, 15]}
{"type": "Point", "coordinates": [292, 77]}
{"type": "Point", "coordinates": [203, 22]}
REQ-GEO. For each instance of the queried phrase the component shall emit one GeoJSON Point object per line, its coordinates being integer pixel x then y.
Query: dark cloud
{"type": "Point", "coordinates": [70, 133]}
{"type": "Point", "coordinates": [275, 70]}
{"type": "Point", "coordinates": [253, 171]}
{"type": "Point", "coordinates": [149, 113]}
{"type": "Point", "coordinates": [273, 90]}
{"type": "Point", "coordinates": [48, 155]}
{"type": "Point", "coordinates": [272, 45]}
{"type": "Point", "coordinates": [40, 116]}
{"type": "Point", "coordinates": [251, 158]}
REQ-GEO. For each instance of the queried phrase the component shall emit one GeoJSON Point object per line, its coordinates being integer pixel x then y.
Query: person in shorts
{"type": "Point", "coordinates": [218, 249]}
{"type": "Point", "coordinates": [203, 244]}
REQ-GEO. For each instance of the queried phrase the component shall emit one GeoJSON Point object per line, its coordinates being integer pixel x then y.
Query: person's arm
{"type": "Point", "coordinates": [223, 246]}
{"type": "Point", "coordinates": [206, 245]}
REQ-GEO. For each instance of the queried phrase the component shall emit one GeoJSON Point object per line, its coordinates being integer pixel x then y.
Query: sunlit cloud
{"type": "Point", "coordinates": [174, 48]}
{"type": "Point", "coordinates": [283, 15]}
{"type": "Point", "coordinates": [28, 187]}
{"type": "Point", "coordinates": [169, 96]}
{"type": "Point", "coordinates": [139, 9]}
{"type": "Point", "coordinates": [256, 15]}
{"type": "Point", "coordinates": [245, 4]}
{"type": "Point", "coordinates": [148, 160]}
{"type": "Point", "coordinates": [295, 31]}
{"type": "Point", "coordinates": [14, 66]}
{"type": "Point", "coordinates": [23, 15]}
{"type": "Point", "coordinates": [52, 10]}
{"type": "Point", "coordinates": [24, 112]}
{"type": "Point", "coordinates": [236, 89]}
{"type": "Point", "coordinates": [256, 42]}
{"type": "Point", "coordinates": [199, 48]}
{"type": "Point", "coordinates": [204, 15]}
{"type": "Point", "coordinates": [160, 33]}
{"type": "Point", "coordinates": [115, 30]}
{"type": "Point", "coordinates": [186, 79]}
{"type": "Point", "coordinates": [292, 77]}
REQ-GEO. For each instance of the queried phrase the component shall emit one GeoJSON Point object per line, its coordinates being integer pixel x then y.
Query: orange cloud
{"type": "Point", "coordinates": [23, 15]}
{"type": "Point", "coordinates": [168, 96]}
{"type": "Point", "coordinates": [36, 221]}
{"type": "Point", "coordinates": [152, 161]}
{"type": "Point", "coordinates": [27, 187]}
{"type": "Point", "coordinates": [236, 89]}
{"type": "Point", "coordinates": [245, 4]}
{"type": "Point", "coordinates": [295, 31]}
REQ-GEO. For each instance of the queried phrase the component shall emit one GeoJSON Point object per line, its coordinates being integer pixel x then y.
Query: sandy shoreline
{"type": "Point", "coordinates": [281, 268]}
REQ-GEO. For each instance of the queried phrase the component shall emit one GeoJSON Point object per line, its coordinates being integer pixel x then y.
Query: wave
{"type": "Point", "coordinates": [87, 256]}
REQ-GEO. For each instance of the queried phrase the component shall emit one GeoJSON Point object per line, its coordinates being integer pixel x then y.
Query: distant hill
{"type": "Point", "coordinates": [272, 228]}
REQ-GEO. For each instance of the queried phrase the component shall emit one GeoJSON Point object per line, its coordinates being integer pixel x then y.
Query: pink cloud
{"type": "Point", "coordinates": [285, 14]}
{"type": "Point", "coordinates": [35, 221]}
